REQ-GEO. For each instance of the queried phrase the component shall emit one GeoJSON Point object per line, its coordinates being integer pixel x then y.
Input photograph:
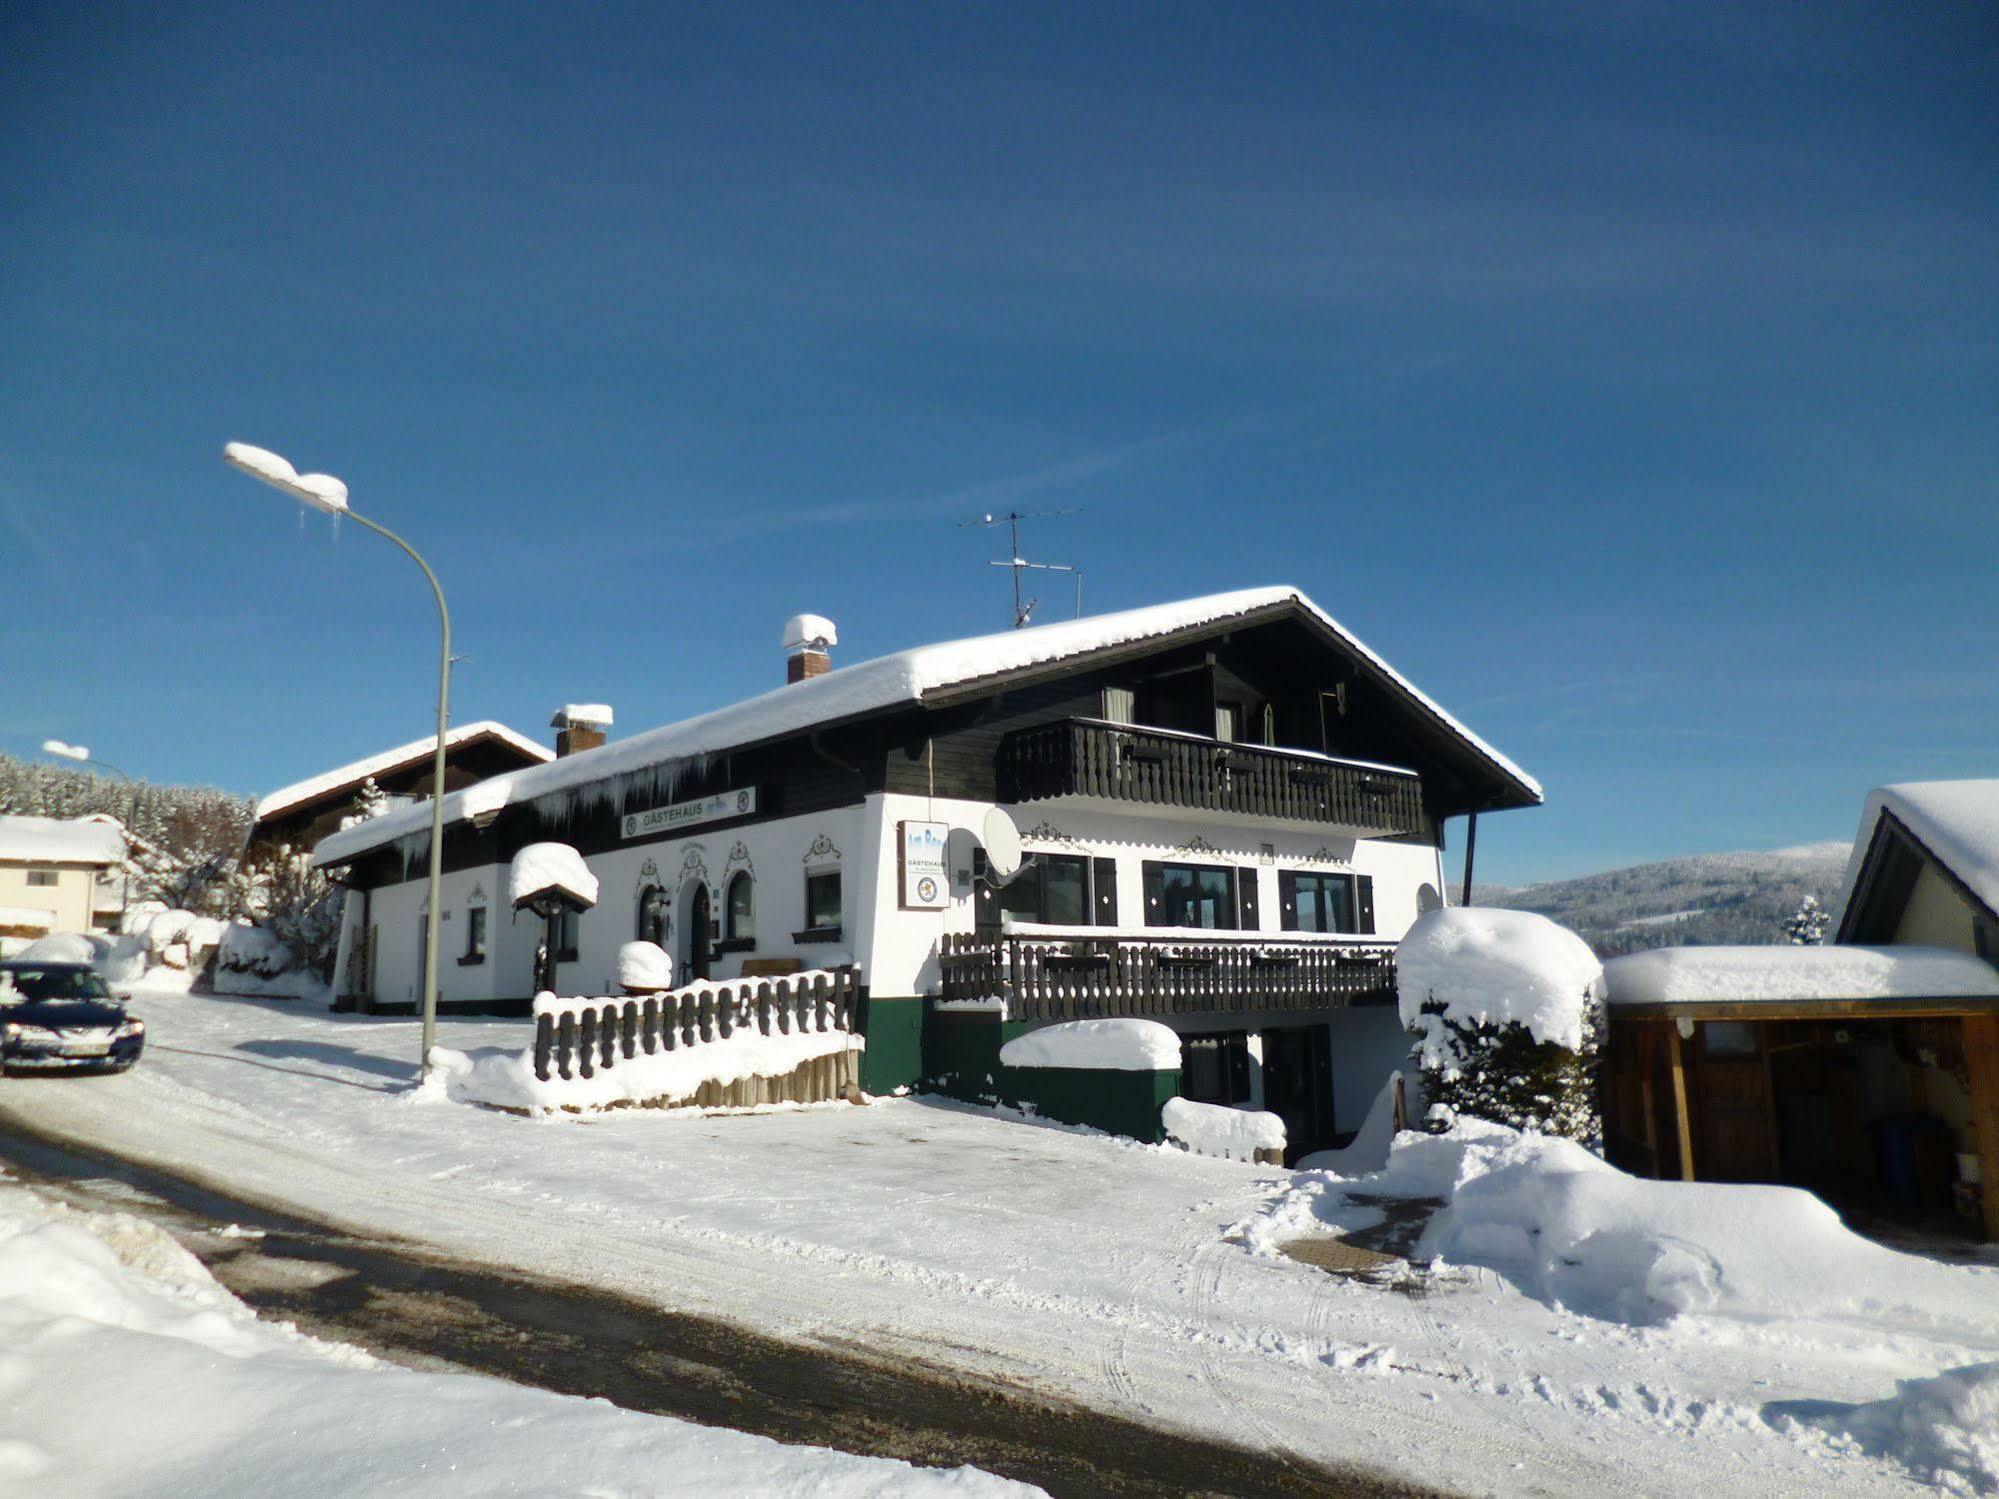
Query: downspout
{"type": "Point", "coordinates": [1471, 848]}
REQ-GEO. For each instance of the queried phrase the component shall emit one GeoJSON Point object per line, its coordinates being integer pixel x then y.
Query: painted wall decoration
{"type": "Point", "coordinates": [822, 848]}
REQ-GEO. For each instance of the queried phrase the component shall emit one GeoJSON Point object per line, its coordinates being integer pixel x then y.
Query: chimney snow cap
{"type": "Point", "coordinates": [809, 632]}
{"type": "Point", "coordinates": [584, 715]}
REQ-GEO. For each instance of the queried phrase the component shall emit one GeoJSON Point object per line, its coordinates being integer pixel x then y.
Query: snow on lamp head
{"type": "Point", "coordinates": [320, 491]}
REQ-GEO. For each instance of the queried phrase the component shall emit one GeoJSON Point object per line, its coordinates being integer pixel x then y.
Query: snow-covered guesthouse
{"type": "Point", "coordinates": [1867, 1069]}
{"type": "Point", "coordinates": [1230, 810]}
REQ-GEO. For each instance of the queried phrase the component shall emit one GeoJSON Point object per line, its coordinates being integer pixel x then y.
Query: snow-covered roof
{"type": "Point", "coordinates": [909, 676]}
{"type": "Point", "coordinates": [61, 840]}
{"type": "Point", "coordinates": [1708, 975]}
{"type": "Point", "coordinates": [542, 867]}
{"type": "Point", "coordinates": [1957, 821]}
{"type": "Point", "coordinates": [298, 794]}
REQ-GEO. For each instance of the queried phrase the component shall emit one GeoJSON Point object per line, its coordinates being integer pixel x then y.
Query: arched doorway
{"type": "Point", "coordinates": [696, 929]}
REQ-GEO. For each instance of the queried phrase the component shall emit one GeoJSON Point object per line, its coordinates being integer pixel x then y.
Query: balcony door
{"type": "Point", "coordinates": [1298, 1086]}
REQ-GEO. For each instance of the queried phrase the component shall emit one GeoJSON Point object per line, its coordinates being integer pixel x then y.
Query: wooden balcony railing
{"type": "Point", "coordinates": [1121, 762]}
{"type": "Point", "coordinates": [1082, 978]}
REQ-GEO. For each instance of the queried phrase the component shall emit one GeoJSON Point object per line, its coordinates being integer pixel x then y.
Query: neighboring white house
{"type": "Point", "coordinates": [1233, 810]}
{"type": "Point", "coordinates": [59, 875]}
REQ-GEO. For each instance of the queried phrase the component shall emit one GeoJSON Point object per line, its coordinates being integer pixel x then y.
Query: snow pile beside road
{"type": "Point", "coordinates": [505, 1079]}
{"type": "Point", "coordinates": [1098, 1046]}
{"type": "Point", "coordinates": [129, 1369]}
{"type": "Point", "coordinates": [541, 867]}
{"type": "Point", "coordinates": [1577, 1233]}
{"type": "Point", "coordinates": [1214, 1129]}
{"type": "Point", "coordinates": [1491, 967]}
{"type": "Point", "coordinates": [1944, 1430]}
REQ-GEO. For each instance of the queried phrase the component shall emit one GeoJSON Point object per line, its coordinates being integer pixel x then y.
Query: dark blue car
{"type": "Point", "coordinates": [61, 1016]}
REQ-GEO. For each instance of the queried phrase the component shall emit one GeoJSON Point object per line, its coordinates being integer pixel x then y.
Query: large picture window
{"type": "Point", "coordinates": [1202, 895]}
{"type": "Point", "coordinates": [1053, 889]}
{"type": "Point", "coordinates": [1318, 902]}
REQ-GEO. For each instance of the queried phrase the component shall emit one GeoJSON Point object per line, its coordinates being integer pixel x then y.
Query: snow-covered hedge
{"type": "Point", "coordinates": [1214, 1129]}
{"type": "Point", "coordinates": [1507, 1011]}
{"type": "Point", "coordinates": [1120, 1045]}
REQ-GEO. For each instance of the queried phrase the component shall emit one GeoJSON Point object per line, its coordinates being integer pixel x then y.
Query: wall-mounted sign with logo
{"type": "Point", "coordinates": [924, 883]}
{"type": "Point", "coordinates": [680, 815]}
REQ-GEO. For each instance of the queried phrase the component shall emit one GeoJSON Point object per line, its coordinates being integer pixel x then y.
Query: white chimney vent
{"type": "Point", "coordinates": [809, 632]}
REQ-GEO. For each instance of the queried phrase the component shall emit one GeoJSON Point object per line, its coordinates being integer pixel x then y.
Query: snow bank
{"type": "Point", "coordinates": [542, 867]}
{"type": "Point", "coordinates": [870, 686]}
{"type": "Point", "coordinates": [506, 1078]}
{"type": "Point", "coordinates": [644, 965]}
{"type": "Point", "coordinates": [1214, 1129]}
{"type": "Point", "coordinates": [1944, 1430]}
{"type": "Point", "coordinates": [1489, 967]}
{"type": "Point", "coordinates": [66, 947]}
{"type": "Point", "coordinates": [128, 1368]}
{"type": "Point", "coordinates": [1674, 975]}
{"type": "Point", "coordinates": [1097, 1045]}
{"type": "Point", "coordinates": [1576, 1232]}
{"type": "Point", "coordinates": [253, 962]}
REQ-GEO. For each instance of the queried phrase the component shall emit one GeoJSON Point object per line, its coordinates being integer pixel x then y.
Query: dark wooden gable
{"type": "Point", "coordinates": [1888, 873]}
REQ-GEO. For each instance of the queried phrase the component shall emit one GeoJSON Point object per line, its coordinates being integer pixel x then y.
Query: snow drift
{"type": "Point", "coordinates": [1120, 1045]}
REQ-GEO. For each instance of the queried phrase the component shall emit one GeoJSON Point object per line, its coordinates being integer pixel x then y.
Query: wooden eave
{"type": "Point", "coordinates": [1912, 1008]}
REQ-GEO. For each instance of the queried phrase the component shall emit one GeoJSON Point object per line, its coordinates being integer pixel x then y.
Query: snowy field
{"type": "Point", "coordinates": [1135, 1278]}
{"type": "Point", "coordinates": [128, 1370]}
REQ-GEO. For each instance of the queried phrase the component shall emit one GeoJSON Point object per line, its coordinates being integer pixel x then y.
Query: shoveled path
{"type": "Point", "coordinates": [406, 1303]}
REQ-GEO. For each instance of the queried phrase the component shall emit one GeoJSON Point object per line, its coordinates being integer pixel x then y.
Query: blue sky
{"type": "Point", "coordinates": [1625, 374]}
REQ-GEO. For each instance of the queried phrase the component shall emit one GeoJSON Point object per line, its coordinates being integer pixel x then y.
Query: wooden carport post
{"type": "Point", "coordinates": [1981, 1062]}
{"type": "Point", "coordinates": [1682, 1125]}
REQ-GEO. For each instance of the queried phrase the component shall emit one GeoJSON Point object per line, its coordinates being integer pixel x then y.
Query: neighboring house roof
{"type": "Point", "coordinates": [927, 675]}
{"type": "Point", "coordinates": [61, 840]}
{"type": "Point", "coordinates": [1956, 822]}
{"type": "Point", "coordinates": [403, 756]}
{"type": "Point", "coordinates": [1775, 976]}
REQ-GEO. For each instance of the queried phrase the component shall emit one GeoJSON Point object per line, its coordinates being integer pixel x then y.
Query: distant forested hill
{"type": "Point", "coordinates": [1702, 899]}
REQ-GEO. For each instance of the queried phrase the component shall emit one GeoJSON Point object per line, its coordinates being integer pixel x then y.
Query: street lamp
{"type": "Point", "coordinates": [62, 749]}
{"type": "Point", "coordinates": [324, 492]}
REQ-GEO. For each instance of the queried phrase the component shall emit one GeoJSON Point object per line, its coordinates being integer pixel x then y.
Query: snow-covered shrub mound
{"type": "Point", "coordinates": [1507, 1009]}
{"type": "Point", "coordinates": [544, 867]}
{"type": "Point", "coordinates": [1215, 1129]}
{"type": "Point", "coordinates": [1944, 1430]}
{"type": "Point", "coordinates": [66, 947]}
{"type": "Point", "coordinates": [644, 966]}
{"type": "Point", "coordinates": [253, 961]}
{"type": "Point", "coordinates": [1575, 1232]}
{"type": "Point", "coordinates": [1120, 1045]}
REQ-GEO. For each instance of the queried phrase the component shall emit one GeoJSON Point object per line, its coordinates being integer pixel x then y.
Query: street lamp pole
{"type": "Point", "coordinates": [324, 492]}
{"type": "Point", "coordinates": [82, 755]}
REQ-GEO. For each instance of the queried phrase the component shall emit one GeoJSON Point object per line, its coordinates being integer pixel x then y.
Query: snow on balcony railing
{"type": "Point", "coordinates": [737, 1043]}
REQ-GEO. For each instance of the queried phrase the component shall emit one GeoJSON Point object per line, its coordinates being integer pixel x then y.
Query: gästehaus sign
{"type": "Point", "coordinates": [691, 814]}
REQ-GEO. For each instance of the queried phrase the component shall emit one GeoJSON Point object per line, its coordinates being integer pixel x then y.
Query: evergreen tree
{"type": "Point", "coordinates": [1806, 926]}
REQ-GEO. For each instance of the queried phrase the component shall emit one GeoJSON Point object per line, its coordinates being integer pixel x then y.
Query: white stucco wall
{"type": "Point", "coordinates": [1936, 916]}
{"type": "Point", "coordinates": [71, 898]}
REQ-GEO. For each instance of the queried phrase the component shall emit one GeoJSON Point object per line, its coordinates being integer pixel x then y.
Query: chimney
{"type": "Point", "coordinates": [579, 727]}
{"type": "Point", "coordinates": [807, 638]}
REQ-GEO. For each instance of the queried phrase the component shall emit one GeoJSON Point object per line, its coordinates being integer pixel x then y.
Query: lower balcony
{"type": "Point", "coordinates": [1079, 976]}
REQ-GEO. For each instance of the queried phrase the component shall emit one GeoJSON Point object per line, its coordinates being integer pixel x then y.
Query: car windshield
{"type": "Point", "coordinates": [32, 985]}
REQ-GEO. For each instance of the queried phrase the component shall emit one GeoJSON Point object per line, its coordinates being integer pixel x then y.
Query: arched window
{"type": "Point", "coordinates": [742, 908]}
{"type": "Point", "coordinates": [655, 919]}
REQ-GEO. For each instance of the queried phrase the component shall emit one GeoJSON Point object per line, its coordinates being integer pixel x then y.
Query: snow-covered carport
{"type": "Point", "coordinates": [1868, 1074]}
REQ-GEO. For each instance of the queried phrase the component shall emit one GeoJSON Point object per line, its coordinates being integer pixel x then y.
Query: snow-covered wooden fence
{"type": "Point", "coordinates": [580, 1037]}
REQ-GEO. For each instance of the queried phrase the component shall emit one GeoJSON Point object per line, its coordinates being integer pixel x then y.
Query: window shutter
{"type": "Point", "coordinates": [1246, 904]}
{"type": "Point", "coordinates": [1364, 900]}
{"type": "Point", "coordinates": [1155, 891]}
{"type": "Point", "coordinates": [1287, 900]}
{"type": "Point", "coordinates": [1104, 888]}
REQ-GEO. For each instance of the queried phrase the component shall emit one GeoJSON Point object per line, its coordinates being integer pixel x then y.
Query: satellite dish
{"type": "Point", "coordinates": [1002, 840]}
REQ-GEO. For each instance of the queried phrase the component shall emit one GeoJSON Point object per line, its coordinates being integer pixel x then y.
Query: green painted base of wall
{"type": "Point", "coordinates": [961, 1060]}
{"type": "Point", "coordinates": [894, 1058]}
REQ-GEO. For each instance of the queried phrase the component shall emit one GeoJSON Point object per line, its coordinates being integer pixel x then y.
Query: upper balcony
{"type": "Point", "coordinates": [1131, 763]}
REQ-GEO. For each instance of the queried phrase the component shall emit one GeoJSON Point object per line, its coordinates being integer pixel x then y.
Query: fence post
{"type": "Point", "coordinates": [725, 1012]}
{"type": "Point", "coordinates": [649, 1025]}
{"type": "Point", "coordinates": [544, 1040]}
{"type": "Point", "coordinates": [820, 998]}
{"type": "Point", "coordinates": [609, 1023]}
{"type": "Point", "coordinates": [586, 1025]}
{"type": "Point", "coordinates": [565, 1044]}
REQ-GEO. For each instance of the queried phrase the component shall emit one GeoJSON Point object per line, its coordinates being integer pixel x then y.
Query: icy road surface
{"type": "Point", "coordinates": [1070, 1262]}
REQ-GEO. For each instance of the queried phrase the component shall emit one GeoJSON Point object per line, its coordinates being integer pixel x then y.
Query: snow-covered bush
{"type": "Point", "coordinates": [1507, 1009]}
{"type": "Point", "coordinates": [299, 906]}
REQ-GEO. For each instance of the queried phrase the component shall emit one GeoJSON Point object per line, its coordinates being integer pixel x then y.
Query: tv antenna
{"type": "Point", "coordinates": [1023, 610]}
